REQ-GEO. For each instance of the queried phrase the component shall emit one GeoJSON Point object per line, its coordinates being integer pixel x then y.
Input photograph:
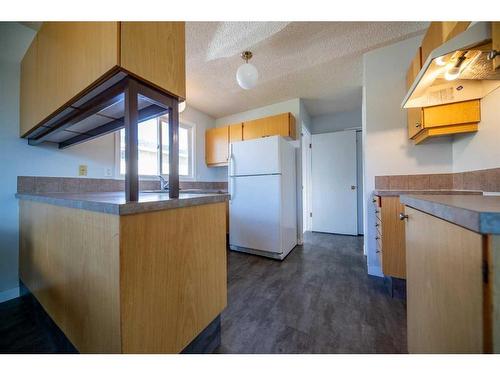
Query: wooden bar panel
{"type": "Point", "coordinates": [155, 51]}
{"type": "Point", "coordinates": [444, 286]}
{"type": "Point", "coordinates": [69, 259]}
{"type": "Point", "coordinates": [173, 276]}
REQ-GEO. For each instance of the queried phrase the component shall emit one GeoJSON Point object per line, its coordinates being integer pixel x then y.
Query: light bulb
{"type": "Point", "coordinates": [452, 73]}
{"type": "Point", "coordinates": [440, 61]}
{"type": "Point", "coordinates": [182, 106]}
{"type": "Point", "coordinates": [247, 76]}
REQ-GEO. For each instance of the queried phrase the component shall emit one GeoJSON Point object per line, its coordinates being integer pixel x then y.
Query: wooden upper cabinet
{"type": "Point", "coordinates": [67, 59]}
{"type": "Point", "coordinates": [216, 146]}
{"type": "Point", "coordinates": [440, 32]}
{"type": "Point", "coordinates": [282, 124]}
{"type": "Point", "coordinates": [154, 51]}
{"type": "Point", "coordinates": [414, 115]}
{"type": "Point", "coordinates": [495, 36]}
{"type": "Point", "coordinates": [235, 132]}
{"type": "Point", "coordinates": [63, 60]}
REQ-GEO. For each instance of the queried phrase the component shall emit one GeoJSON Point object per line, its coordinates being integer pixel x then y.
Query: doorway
{"type": "Point", "coordinates": [334, 183]}
{"type": "Point", "coordinates": [306, 179]}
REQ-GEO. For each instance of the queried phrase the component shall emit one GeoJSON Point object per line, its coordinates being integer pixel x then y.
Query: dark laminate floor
{"type": "Point", "coordinates": [318, 300]}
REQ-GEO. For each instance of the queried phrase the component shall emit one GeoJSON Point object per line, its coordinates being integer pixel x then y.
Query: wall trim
{"type": "Point", "coordinates": [9, 294]}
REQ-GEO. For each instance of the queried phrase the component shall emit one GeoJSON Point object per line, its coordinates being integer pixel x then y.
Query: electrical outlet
{"type": "Point", "coordinates": [82, 170]}
{"type": "Point", "coordinates": [108, 172]}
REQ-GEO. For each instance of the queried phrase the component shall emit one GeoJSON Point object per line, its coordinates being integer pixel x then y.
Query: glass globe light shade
{"type": "Point", "coordinates": [247, 76]}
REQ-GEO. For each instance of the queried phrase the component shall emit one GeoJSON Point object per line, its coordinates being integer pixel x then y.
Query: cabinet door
{"type": "Point", "coordinates": [393, 237]}
{"type": "Point", "coordinates": [216, 146]}
{"type": "Point", "coordinates": [414, 121]}
{"type": "Point", "coordinates": [444, 282]}
{"type": "Point", "coordinates": [236, 132]}
{"type": "Point", "coordinates": [29, 97]}
{"type": "Point", "coordinates": [440, 32]}
{"type": "Point", "coordinates": [155, 51]}
{"type": "Point", "coordinates": [273, 125]}
{"type": "Point", "coordinates": [452, 114]}
{"type": "Point", "coordinates": [71, 56]}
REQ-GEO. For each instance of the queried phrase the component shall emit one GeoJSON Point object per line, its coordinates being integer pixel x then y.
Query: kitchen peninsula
{"type": "Point", "coordinates": [125, 277]}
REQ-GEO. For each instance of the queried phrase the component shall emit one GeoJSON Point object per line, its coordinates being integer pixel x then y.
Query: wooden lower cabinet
{"type": "Point", "coordinates": [142, 283]}
{"type": "Point", "coordinates": [452, 289]}
{"type": "Point", "coordinates": [390, 236]}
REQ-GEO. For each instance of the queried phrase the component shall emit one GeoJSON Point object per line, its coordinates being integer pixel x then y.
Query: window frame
{"type": "Point", "coordinates": [191, 127]}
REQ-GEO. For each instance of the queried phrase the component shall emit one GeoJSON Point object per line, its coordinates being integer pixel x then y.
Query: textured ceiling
{"type": "Point", "coordinates": [318, 61]}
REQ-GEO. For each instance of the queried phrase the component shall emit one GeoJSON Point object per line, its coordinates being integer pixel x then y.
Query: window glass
{"type": "Point", "coordinates": [149, 145]}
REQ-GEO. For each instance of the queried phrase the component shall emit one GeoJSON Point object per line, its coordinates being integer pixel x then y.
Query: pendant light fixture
{"type": "Point", "coordinates": [247, 74]}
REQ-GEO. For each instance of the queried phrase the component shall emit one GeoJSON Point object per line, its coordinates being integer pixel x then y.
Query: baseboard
{"type": "Point", "coordinates": [9, 294]}
{"type": "Point", "coordinates": [375, 271]}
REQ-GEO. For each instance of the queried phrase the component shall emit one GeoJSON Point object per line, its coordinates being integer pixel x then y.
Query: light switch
{"type": "Point", "coordinates": [82, 170]}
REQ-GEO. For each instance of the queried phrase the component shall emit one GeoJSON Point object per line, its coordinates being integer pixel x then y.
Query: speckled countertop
{"type": "Point", "coordinates": [114, 202]}
{"type": "Point", "coordinates": [396, 193]}
{"type": "Point", "coordinates": [475, 212]}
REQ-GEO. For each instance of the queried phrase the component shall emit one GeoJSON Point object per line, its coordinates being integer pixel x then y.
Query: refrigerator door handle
{"type": "Point", "coordinates": [231, 162]}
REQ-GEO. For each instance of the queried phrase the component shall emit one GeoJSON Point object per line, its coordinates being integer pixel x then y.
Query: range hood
{"type": "Point", "coordinates": [456, 71]}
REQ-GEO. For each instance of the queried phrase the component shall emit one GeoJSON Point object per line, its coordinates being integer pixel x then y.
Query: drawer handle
{"type": "Point", "coordinates": [377, 238]}
{"type": "Point", "coordinates": [402, 216]}
{"type": "Point", "coordinates": [418, 125]}
{"type": "Point", "coordinates": [378, 251]}
{"type": "Point", "coordinates": [377, 211]}
{"type": "Point", "coordinates": [374, 200]}
{"type": "Point", "coordinates": [377, 225]}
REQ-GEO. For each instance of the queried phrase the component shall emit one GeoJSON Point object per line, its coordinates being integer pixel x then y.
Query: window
{"type": "Point", "coordinates": [152, 137]}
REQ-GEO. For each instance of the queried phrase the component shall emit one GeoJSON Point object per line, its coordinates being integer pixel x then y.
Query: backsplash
{"type": "Point", "coordinates": [31, 184]}
{"type": "Point", "coordinates": [481, 180]}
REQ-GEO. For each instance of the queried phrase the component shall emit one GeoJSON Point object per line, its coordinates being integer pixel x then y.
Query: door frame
{"type": "Point", "coordinates": [306, 141]}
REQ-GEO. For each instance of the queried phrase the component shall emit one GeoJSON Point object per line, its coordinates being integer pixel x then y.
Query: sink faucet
{"type": "Point", "coordinates": [163, 182]}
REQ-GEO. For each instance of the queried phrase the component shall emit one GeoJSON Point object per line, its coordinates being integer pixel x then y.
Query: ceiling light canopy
{"type": "Point", "coordinates": [247, 74]}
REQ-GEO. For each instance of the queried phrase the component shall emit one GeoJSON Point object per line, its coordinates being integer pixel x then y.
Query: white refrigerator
{"type": "Point", "coordinates": [262, 206]}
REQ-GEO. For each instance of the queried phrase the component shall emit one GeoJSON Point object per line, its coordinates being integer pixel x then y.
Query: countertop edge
{"type": "Point", "coordinates": [396, 193]}
{"type": "Point", "coordinates": [122, 209]}
{"type": "Point", "coordinates": [480, 222]}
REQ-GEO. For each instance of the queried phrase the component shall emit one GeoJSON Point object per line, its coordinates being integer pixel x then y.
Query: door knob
{"type": "Point", "coordinates": [353, 187]}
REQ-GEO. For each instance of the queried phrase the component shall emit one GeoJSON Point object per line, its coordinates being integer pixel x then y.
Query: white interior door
{"type": "Point", "coordinates": [334, 197]}
{"type": "Point", "coordinates": [306, 179]}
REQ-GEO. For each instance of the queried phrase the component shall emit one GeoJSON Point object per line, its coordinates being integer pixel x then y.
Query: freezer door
{"type": "Point", "coordinates": [255, 212]}
{"type": "Point", "coordinates": [255, 157]}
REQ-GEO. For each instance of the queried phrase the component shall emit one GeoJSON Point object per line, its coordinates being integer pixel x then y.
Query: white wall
{"type": "Point", "coordinates": [480, 150]}
{"type": "Point", "coordinates": [387, 150]}
{"type": "Point", "coordinates": [336, 121]}
{"type": "Point", "coordinates": [202, 122]}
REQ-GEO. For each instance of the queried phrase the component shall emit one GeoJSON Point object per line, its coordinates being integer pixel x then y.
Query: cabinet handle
{"type": "Point", "coordinates": [374, 200]}
{"type": "Point", "coordinates": [402, 216]}
{"type": "Point", "coordinates": [418, 125]}
{"type": "Point", "coordinates": [377, 211]}
{"type": "Point", "coordinates": [377, 225]}
{"type": "Point", "coordinates": [493, 53]}
{"type": "Point", "coordinates": [378, 251]}
{"type": "Point", "coordinates": [377, 238]}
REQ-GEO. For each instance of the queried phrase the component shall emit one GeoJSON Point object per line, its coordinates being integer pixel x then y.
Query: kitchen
{"type": "Point", "coordinates": [215, 189]}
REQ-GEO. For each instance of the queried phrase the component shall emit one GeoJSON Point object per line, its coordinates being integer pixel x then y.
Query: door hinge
{"type": "Point", "coordinates": [310, 145]}
{"type": "Point", "coordinates": [485, 272]}
{"type": "Point", "coordinates": [310, 214]}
